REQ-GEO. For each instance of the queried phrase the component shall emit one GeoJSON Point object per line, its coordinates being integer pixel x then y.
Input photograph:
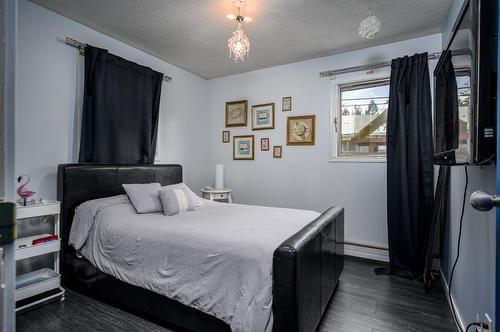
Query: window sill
{"type": "Point", "coordinates": [358, 160]}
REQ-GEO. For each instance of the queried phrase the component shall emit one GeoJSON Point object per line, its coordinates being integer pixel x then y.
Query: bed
{"type": "Point", "coordinates": [305, 266]}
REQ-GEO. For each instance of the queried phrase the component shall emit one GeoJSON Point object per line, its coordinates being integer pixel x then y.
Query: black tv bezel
{"type": "Point", "coordinates": [447, 157]}
{"type": "Point", "coordinates": [481, 148]}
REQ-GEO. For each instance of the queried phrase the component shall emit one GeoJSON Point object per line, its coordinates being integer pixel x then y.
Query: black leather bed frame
{"type": "Point", "coordinates": [306, 267]}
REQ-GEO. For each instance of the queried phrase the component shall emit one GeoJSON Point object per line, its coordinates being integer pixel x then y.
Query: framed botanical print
{"type": "Point", "coordinates": [263, 116]}
{"type": "Point", "coordinates": [225, 136]}
{"type": "Point", "coordinates": [300, 130]}
{"type": "Point", "coordinates": [286, 104]}
{"type": "Point", "coordinates": [243, 147]}
{"type": "Point", "coordinates": [264, 144]}
{"type": "Point", "coordinates": [236, 113]}
{"type": "Point", "coordinates": [277, 151]}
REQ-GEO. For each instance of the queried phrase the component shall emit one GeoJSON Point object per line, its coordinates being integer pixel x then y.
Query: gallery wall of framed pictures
{"type": "Point", "coordinates": [299, 129]}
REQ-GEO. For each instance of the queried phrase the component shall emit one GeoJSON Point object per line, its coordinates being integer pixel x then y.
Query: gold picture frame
{"type": "Point", "coordinates": [263, 116]}
{"type": "Point", "coordinates": [226, 136]}
{"type": "Point", "coordinates": [301, 130]}
{"type": "Point", "coordinates": [236, 113]}
{"type": "Point", "coordinates": [277, 151]}
{"type": "Point", "coordinates": [264, 144]}
{"type": "Point", "coordinates": [244, 147]}
{"type": "Point", "coordinates": [286, 104]}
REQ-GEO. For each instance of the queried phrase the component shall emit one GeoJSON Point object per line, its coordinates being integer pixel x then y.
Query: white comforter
{"type": "Point", "coordinates": [217, 259]}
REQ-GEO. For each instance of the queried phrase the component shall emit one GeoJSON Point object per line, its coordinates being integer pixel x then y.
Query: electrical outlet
{"type": "Point", "coordinates": [485, 319]}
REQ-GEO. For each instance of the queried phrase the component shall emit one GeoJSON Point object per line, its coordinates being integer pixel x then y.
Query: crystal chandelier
{"type": "Point", "coordinates": [369, 27]}
{"type": "Point", "coordinates": [239, 44]}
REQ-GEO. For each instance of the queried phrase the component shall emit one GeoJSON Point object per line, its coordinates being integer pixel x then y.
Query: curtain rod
{"type": "Point", "coordinates": [81, 47]}
{"type": "Point", "coordinates": [432, 56]}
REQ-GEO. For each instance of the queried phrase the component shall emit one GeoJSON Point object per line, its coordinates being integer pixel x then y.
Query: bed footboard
{"type": "Point", "coordinates": [306, 269]}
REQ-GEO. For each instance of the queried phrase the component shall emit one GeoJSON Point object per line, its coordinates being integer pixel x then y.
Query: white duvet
{"type": "Point", "coordinates": [217, 259]}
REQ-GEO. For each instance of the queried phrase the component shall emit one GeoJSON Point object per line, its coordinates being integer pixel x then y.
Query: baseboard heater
{"type": "Point", "coordinates": [366, 251]}
{"type": "Point", "coordinates": [364, 245]}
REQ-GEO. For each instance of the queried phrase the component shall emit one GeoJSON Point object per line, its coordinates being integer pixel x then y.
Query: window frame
{"type": "Point", "coordinates": [382, 75]}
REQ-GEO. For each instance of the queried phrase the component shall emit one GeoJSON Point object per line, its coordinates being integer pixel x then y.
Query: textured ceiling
{"type": "Point", "coordinates": [192, 34]}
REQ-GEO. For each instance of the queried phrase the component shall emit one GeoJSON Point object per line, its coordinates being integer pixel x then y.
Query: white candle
{"type": "Point", "coordinates": [219, 176]}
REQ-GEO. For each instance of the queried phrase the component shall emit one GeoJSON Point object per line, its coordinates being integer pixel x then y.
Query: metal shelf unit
{"type": "Point", "coordinates": [46, 279]}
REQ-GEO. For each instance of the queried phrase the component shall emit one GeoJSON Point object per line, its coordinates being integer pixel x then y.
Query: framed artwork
{"type": "Point", "coordinates": [263, 116]}
{"type": "Point", "coordinates": [286, 104]}
{"type": "Point", "coordinates": [225, 136]}
{"type": "Point", "coordinates": [243, 147]}
{"type": "Point", "coordinates": [277, 151]}
{"type": "Point", "coordinates": [300, 130]}
{"type": "Point", "coordinates": [236, 113]}
{"type": "Point", "coordinates": [264, 144]}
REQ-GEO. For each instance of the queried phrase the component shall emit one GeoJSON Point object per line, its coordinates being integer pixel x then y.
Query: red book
{"type": "Point", "coordinates": [45, 239]}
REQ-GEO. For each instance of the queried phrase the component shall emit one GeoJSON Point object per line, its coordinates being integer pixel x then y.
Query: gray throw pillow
{"type": "Point", "coordinates": [176, 201]}
{"type": "Point", "coordinates": [197, 201]}
{"type": "Point", "coordinates": [144, 196]}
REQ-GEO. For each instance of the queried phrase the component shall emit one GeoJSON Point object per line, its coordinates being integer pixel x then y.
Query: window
{"type": "Point", "coordinates": [361, 119]}
{"type": "Point", "coordinates": [463, 90]}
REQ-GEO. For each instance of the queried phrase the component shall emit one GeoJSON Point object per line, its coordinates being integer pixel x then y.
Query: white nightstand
{"type": "Point", "coordinates": [46, 279]}
{"type": "Point", "coordinates": [217, 194]}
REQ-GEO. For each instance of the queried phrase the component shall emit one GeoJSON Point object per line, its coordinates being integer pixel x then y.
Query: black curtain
{"type": "Point", "coordinates": [410, 173]}
{"type": "Point", "coordinates": [120, 110]}
{"type": "Point", "coordinates": [446, 99]}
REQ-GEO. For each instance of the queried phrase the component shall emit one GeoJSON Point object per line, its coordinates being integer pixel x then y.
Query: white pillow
{"type": "Point", "coordinates": [144, 196]}
{"type": "Point", "coordinates": [197, 201]}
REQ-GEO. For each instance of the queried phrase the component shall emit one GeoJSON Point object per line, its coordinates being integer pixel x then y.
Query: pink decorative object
{"type": "Point", "coordinates": [21, 191]}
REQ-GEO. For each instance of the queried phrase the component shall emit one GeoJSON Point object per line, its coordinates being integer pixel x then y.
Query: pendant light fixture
{"type": "Point", "coordinates": [238, 44]}
{"type": "Point", "coordinates": [370, 26]}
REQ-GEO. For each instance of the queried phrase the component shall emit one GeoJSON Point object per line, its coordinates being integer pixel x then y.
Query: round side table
{"type": "Point", "coordinates": [217, 194]}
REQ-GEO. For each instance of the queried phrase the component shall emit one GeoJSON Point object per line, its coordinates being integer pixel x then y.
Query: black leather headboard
{"type": "Point", "coordinates": [77, 183]}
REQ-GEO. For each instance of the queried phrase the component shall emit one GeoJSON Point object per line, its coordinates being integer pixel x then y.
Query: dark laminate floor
{"type": "Point", "coordinates": [362, 302]}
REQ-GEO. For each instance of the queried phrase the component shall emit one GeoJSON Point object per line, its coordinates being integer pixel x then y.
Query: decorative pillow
{"type": "Point", "coordinates": [176, 201]}
{"type": "Point", "coordinates": [197, 201]}
{"type": "Point", "coordinates": [144, 196]}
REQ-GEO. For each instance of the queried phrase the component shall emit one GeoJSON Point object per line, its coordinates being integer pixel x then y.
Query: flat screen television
{"type": "Point", "coordinates": [465, 81]}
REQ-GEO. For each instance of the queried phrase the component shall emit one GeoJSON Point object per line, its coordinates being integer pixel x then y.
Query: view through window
{"type": "Point", "coordinates": [362, 119]}
{"type": "Point", "coordinates": [463, 87]}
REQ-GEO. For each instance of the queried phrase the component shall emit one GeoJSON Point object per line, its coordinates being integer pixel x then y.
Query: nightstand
{"type": "Point", "coordinates": [46, 280]}
{"type": "Point", "coordinates": [217, 194]}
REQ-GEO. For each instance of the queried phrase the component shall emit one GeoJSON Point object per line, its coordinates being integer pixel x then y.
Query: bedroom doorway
{"type": "Point", "coordinates": [8, 23]}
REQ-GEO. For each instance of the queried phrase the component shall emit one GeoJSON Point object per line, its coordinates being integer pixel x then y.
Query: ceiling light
{"type": "Point", "coordinates": [233, 17]}
{"type": "Point", "coordinates": [238, 44]}
{"type": "Point", "coordinates": [370, 26]}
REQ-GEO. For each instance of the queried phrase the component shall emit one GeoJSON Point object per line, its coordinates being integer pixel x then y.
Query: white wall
{"type": "Point", "coordinates": [304, 178]}
{"type": "Point", "coordinates": [455, 8]}
{"type": "Point", "coordinates": [49, 92]}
